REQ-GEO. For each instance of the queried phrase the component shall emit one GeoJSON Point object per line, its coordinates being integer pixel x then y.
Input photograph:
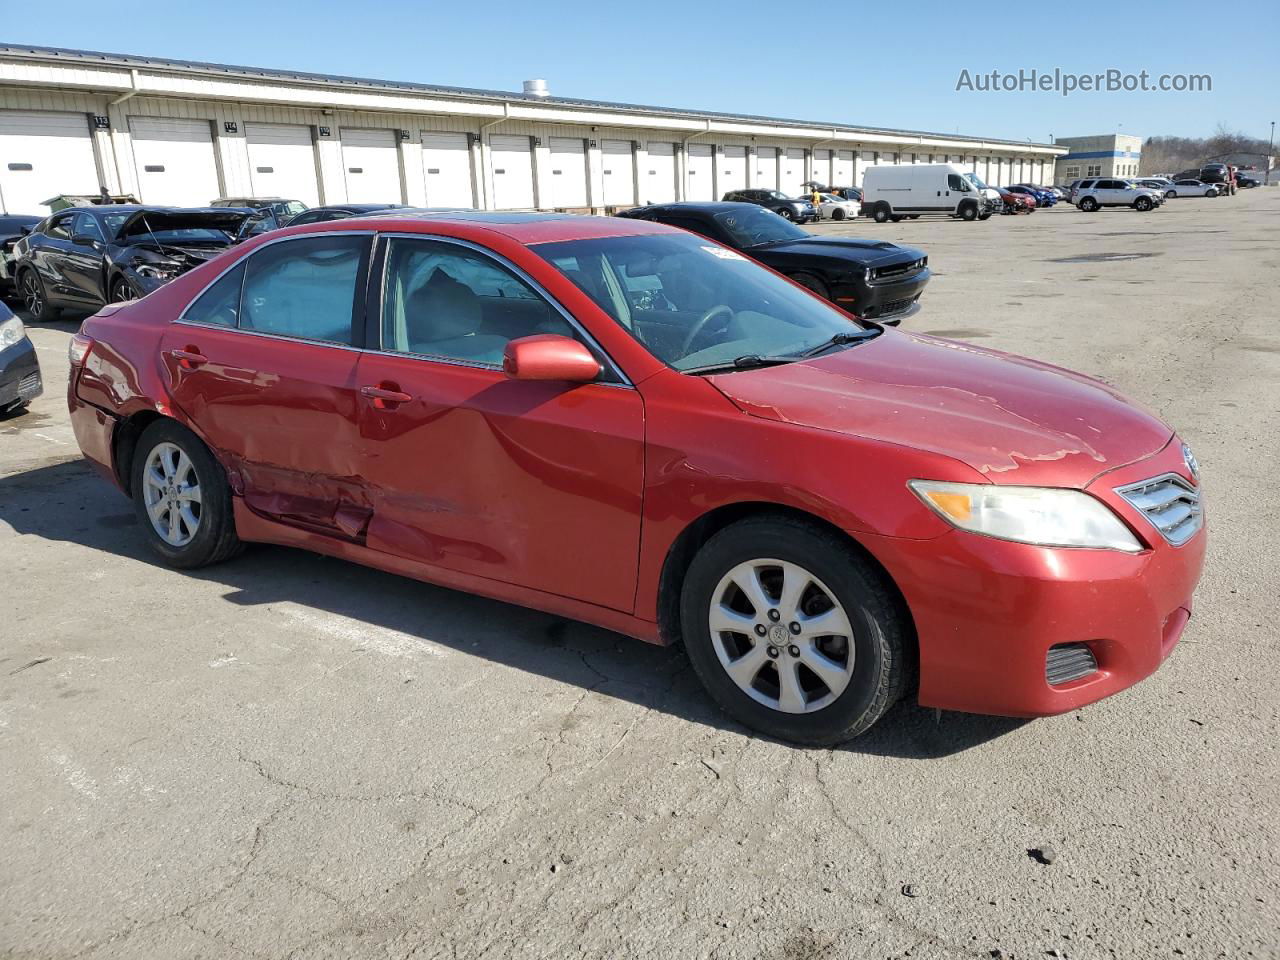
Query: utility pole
{"type": "Point", "coordinates": [1270, 144]}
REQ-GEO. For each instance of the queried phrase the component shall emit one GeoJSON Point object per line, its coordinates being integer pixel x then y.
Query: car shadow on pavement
{"type": "Point", "coordinates": [68, 502]}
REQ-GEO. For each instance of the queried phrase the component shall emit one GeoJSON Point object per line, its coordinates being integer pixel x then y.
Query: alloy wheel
{"type": "Point", "coordinates": [171, 493]}
{"type": "Point", "coordinates": [781, 635]}
{"type": "Point", "coordinates": [32, 295]}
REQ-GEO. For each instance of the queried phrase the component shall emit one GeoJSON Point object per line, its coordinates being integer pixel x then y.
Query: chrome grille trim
{"type": "Point", "coordinates": [1169, 503]}
{"type": "Point", "coordinates": [1068, 661]}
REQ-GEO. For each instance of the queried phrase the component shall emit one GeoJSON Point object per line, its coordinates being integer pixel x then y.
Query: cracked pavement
{"type": "Point", "coordinates": [288, 756]}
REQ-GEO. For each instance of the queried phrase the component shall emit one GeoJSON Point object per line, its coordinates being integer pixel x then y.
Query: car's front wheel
{"type": "Point", "coordinates": [880, 214]}
{"type": "Point", "coordinates": [121, 291]}
{"type": "Point", "coordinates": [182, 498]}
{"type": "Point", "coordinates": [792, 632]}
{"type": "Point", "coordinates": [837, 214]}
{"type": "Point", "coordinates": [1142, 203]}
{"type": "Point", "coordinates": [786, 213]}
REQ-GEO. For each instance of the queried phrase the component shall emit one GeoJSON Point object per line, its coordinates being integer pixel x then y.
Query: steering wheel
{"type": "Point", "coordinates": [698, 327]}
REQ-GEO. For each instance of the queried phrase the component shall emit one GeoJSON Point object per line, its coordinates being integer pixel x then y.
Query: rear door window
{"type": "Point", "coordinates": [307, 288]}
{"type": "Point", "coordinates": [219, 306]}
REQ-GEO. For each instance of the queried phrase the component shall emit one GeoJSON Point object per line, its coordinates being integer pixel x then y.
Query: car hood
{"type": "Point", "coordinates": [850, 248]}
{"type": "Point", "coordinates": [157, 221]}
{"type": "Point", "coordinates": [1014, 420]}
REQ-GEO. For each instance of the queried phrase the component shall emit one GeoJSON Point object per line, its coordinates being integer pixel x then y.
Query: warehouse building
{"type": "Point", "coordinates": [1109, 155]}
{"type": "Point", "coordinates": [173, 132]}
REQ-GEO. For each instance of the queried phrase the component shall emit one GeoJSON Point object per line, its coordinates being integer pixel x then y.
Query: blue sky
{"type": "Point", "coordinates": [882, 64]}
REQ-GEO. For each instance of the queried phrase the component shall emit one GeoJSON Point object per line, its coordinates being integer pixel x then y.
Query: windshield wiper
{"type": "Point", "coordinates": [748, 361]}
{"type": "Point", "coordinates": [840, 339]}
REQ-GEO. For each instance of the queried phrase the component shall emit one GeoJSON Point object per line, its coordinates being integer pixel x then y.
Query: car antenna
{"type": "Point", "coordinates": [147, 223]}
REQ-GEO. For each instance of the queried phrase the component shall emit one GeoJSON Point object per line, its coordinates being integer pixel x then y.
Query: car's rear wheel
{"type": "Point", "coordinates": [1088, 204]}
{"type": "Point", "coordinates": [792, 633]}
{"type": "Point", "coordinates": [1171, 194]}
{"type": "Point", "coordinates": [182, 497]}
{"type": "Point", "coordinates": [1142, 203]}
{"type": "Point", "coordinates": [810, 282]}
{"type": "Point", "coordinates": [35, 299]}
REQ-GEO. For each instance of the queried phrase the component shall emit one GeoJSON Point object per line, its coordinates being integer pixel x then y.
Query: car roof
{"type": "Point", "coordinates": [525, 228]}
{"type": "Point", "coordinates": [709, 207]}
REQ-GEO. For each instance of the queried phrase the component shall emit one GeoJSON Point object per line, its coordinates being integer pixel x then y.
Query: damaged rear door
{"type": "Point", "coordinates": [263, 363]}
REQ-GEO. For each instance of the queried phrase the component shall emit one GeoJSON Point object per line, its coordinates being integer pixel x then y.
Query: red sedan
{"type": "Point", "coordinates": [630, 425]}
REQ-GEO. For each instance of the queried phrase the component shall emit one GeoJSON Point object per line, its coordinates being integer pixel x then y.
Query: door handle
{"type": "Point", "coordinates": [383, 397]}
{"type": "Point", "coordinates": [189, 359]}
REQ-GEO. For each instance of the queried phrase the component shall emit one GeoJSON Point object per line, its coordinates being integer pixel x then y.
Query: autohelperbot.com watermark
{"type": "Point", "coordinates": [1066, 83]}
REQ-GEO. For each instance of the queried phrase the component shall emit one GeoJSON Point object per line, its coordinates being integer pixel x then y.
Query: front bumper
{"type": "Point", "coordinates": [987, 611]}
{"type": "Point", "coordinates": [886, 301]}
{"type": "Point", "coordinates": [20, 380]}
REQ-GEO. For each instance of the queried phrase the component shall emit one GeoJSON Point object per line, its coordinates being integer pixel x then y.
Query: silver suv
{"type": "Point", "coordinates": [1091, 194]}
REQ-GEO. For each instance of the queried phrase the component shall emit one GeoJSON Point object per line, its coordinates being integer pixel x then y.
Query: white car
{"type": "Point", "coordinates": [1192, 188]}
{"type": "Point", "coordinates": [832, 207]}
{"type": "Point", "coordinates": [1093, 194]}
{"type": "Point", "coordinates": [1161, 184]}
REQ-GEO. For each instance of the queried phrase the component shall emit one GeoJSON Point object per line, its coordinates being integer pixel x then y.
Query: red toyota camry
{"type": "Point", "coordinates": [633, 426]}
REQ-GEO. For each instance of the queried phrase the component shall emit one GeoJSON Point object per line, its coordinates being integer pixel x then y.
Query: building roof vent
{"type": "Point", "coordinates": [536, 88]}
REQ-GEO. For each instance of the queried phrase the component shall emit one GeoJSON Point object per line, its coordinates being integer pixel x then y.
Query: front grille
{"type": "Point", "coordinates": [1170, 503]}
{"type": "Point", "coordinates": [893, 306]}
{"type": "Point", "coordinates": [1068, 661]}
{"type": "Point", "coordinates": [896, 270]}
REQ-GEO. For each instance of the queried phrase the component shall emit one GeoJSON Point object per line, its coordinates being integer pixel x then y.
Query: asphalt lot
{"type": "Point", "coordinates": [289, 756]}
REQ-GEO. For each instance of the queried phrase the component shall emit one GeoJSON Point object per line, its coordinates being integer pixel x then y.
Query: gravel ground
{"type": "Point", "coordinates": [289, 756]}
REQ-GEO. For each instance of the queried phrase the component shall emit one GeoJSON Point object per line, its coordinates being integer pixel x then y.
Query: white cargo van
{"type": "Point", "coordinates": [892, 192]}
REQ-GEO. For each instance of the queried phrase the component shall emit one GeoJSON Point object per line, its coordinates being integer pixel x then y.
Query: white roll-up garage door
{"type": "Point", "coordinates": [41, 156]}
{"type": "Point", "coordinates": [822, 166]}
{"type": "Point", "coordinates": [618, 172]}
{"type": "Point", "coordinates": [792, 172]}
{"type": "Point", "coordinates": [733, 169]}
{"type": "Point", "coordinates": [658, 180]}
{"type": "Point", "coordinates": [700, 184]}
{"type": "Point", "coordinates": [767, 168]}
{"type": "Point", "coordinates": [175, 161]}
{"type": "Point", "coordinates": [567, 183]}
{"type": "Point", "coordinates": [512, 160]}
{"type": "Point", "coordinates": [371, 165]}
{"type": "Point", "coordinates": [842, 169]}
{"type": "Point", "coordinates": [446, 170]}
{"type": "Point", "coordinates": [282, 161]}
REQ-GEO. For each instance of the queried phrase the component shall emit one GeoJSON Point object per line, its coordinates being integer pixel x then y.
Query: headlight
{"type": "Point", "coordinates": [159, 271]}
{"type": "Point", "coordinates": [1045, 516]}
{"type": "Point", "coordinates": [11, 331]}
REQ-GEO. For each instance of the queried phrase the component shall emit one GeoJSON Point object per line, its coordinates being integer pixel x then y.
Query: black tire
{"type": "Point", "coordinates": [880, 214]}
{"type": "Point", "coordinates": [215, 538]}
{"type": "Point", "coordinates": [882, 634]}
{"type": "Point", "coordinates": [1143, 204]}
{"type": "Point", "coordinates": [121, 291]}
{"type": "Point", "coordinates": [1088, 205]}
{"type": "Point", "coordinates": [837, 214]}
{"type": "Point", "coordinates": [1171, 194]}
{"type": "Point", "coordinates": [35, 298]}
{"type": "Point", "coordinates": [969, 212]}
{"type": "Point", "coordinates": [984, 216]}
{"type": "Point", "coordinates": [786, 213]}
{"type": "Point", "coordinates": [810, 282]}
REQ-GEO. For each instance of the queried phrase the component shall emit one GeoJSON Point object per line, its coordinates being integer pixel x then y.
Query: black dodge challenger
{"type": "Point", "coordinates": [874, 279]}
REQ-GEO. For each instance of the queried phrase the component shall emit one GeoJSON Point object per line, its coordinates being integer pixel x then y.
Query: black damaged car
{"type": "Point", "coordinates": [874, 279]}
{"type": "Point", "coordinates": [87, 256]}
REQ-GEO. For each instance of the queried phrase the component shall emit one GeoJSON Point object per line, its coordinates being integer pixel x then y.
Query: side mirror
{"type": "Point", "coordinates": [84, 240]}
{"type": "Point", "coordinates": [548, 356]}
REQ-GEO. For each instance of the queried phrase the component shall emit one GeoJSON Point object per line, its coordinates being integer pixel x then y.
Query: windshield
{"type": "Point", "coordinates": [189, 236]}
{"type": "Point", "coordinates": [692, 303]}
{"type": "Point", "coordinates": [752, 226]}
{"type": "Point", "coordinates": [973, 178]}
{"type": "Point", "coordinates": [112, 222]}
